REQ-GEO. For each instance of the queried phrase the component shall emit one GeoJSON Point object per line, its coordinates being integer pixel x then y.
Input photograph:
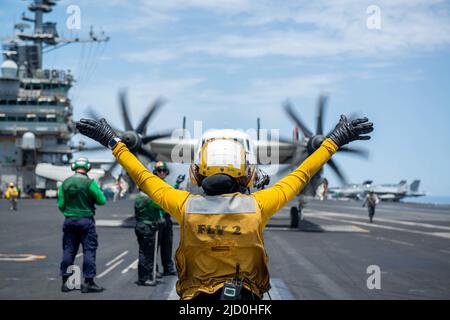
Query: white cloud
{"type": "Point", "coordinates": [301, 86]}
{"type": "Point", "coordinates": [260, 96]}
{"type": "Point", "coordinates": [221, 6]}
{"type": "Point", "coordinates": [172, 88]}
{"type": "Point", "coordinates": [119, 16]}
{"type": "Point", "coordinates": [190, 96]}
{"type": "Point", "coordinates": [317, 29]}
{"type": "Point", "coordinates": [155, 56]}
{"type": "Point", "coordinates": [141, 91]}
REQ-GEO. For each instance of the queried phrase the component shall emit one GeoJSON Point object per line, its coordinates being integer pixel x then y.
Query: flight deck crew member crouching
{"type": "Point", "coordinates": [148, 221]}
{"type": "Point", "coordinates": [221, 254]}
{"type": "Point", "coordinates": [77, 197]}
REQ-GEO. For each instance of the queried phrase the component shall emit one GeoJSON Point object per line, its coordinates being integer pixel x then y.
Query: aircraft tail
{"type": "Point", "coordinates": [402, 182]}
{"type": "Point", "coordinates": [414, 187]}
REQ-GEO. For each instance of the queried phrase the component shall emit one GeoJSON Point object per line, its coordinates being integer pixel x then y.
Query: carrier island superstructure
{"type": "Point", "coordinates": [35, 109]}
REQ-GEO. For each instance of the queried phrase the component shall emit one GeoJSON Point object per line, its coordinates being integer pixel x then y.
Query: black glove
{"type": "Point", "coordinates": [100, 131]}
{"type": "Point", "coordinates": [262, 179]}
{"type": "Point", "coordinates": [347, 131]}
{"type": "Point", "coordinates": [180, 178]}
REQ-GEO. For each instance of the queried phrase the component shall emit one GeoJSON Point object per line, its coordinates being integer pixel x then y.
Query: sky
{"type": "Point", "coordinates": [227, 62]}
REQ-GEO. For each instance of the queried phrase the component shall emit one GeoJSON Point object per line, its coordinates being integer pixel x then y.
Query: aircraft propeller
{"type": "Point", "coordinates": [135, 138]}
{"type": "Point", "coordinates": [311, 141]}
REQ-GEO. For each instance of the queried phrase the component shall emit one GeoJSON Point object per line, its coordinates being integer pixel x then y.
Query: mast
{"type": "Point", "coordinates": [45, 36]}
{"type": "Point", "coordinates": [35, 109]}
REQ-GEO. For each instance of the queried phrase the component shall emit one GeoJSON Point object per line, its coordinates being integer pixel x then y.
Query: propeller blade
{"type": "Point", "coordinates": [295, 134]}
{"type": "Point", "coordinates": [124, 109]}
{"type": "Point", "coordinates": [320, 114]}
{"type": "Point", "coordinates": [141, 128]}
{"type": "Point", "coordinates": [336, 170]}
{"type": "Point", "coordinates": [94, 115]}
{"type": "Point", "coordinates": [258, 127]}
{"type": "Point", "coordinates": [285, 170]}
{"type": "Point", "coordinates": [299, 155]}
{"type": "Point", "coordinates": [359, 152]}
{"type": "Point", "coordinates": [152, 137]}
{"type": "Point", "coordinates": [306, 132]}
{"type": "Point", "coordinates": [108, 173]}
{"type": "Point", "coordinates": [131, 184]}
{"type": "Point", "coordinates": [91, 148]}
{"type": "Point", "coordinates": [147, 153]}
{"type": "Point", "coordinates": [285, 140]}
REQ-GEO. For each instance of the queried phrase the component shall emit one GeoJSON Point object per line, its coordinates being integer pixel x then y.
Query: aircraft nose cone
{"type": "Point", "coordinates": [132, 140]}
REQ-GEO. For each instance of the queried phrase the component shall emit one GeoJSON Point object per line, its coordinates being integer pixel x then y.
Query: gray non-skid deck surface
{"type": "Point", "coordinates": [409, 243]}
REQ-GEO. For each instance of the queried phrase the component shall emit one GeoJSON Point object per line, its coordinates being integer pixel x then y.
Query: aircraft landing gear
{"type": "Point", "coordinates": [295, 218]}
{"type": "Point", "coordinates": [297, 213]}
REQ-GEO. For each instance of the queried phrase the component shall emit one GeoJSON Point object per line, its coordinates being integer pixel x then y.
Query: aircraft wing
{"type": "Point", "coordinates": [416, 194]}
{"type": "Point", "coordinates": [286, 151]}
{"type": "Point", "coordinates": [347, 193]}
{"type": "Point", "coordinates": [182, 150]}
{"type": "Point", "coordinates": [388, 196]}
{"type": "Point", "coordinates": [174, 150]}
{"type": "Point", "coordinates": [61, 173]}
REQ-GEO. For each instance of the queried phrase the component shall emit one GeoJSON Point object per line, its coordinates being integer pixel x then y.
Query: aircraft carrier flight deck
{"type": "Point", "coordinates": [331, 255]}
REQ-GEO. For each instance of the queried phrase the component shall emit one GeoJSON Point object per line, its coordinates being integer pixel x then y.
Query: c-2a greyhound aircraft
{"type": "Point", "coordinates": [267, 154]}
{"type": "Point", "coordinates": [177, 146]}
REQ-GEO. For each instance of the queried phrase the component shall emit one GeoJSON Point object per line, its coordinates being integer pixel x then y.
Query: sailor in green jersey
{"type": "Point", "coordinates": [165, 239]}
{"type": "Point", "coordinates": [148, 220]}
{"type": "Point", "coordinates": [77, 197]}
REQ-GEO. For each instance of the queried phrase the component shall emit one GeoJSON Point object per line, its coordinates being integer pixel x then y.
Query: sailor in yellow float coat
{"type": "Point", "coordinates": [213, 238]}
{"type": "Point", "coordinates": [217, 232]}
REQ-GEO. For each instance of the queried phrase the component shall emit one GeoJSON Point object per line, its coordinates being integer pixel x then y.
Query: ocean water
{"type": "Point", "coordinates": [429, 199]}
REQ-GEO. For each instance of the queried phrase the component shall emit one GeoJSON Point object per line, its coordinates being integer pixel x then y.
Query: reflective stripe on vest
{"type": "Point", "coordinates": [220, 205]}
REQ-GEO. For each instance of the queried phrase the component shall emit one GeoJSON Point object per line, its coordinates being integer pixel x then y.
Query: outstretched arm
{"type": "Point", "coordinates": [167, 197]}
{"type": "Point", "coordinates": [273, 199]}
{"type": "Point", "coordinates": [163, 194]}
{"type": "Point", "coordinates": [276, 197]}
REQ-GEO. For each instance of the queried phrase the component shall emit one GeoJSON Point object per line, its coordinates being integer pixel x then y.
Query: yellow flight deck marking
{"type": "Point", "coordinates": [20, 257]}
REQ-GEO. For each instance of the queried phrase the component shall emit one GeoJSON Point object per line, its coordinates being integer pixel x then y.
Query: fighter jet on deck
{"type": "Point", "coordinates": [386, 192]}
{"type": "Point", "coordinates": [351, 191]}
{"type": "Point", "coordinates": [396, 192]}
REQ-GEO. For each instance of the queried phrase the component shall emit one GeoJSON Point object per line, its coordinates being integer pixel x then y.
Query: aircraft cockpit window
{"type": "Point", "coordinates": [244, 142]}
{"type": "Point", "coordinates": [241, 141]}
